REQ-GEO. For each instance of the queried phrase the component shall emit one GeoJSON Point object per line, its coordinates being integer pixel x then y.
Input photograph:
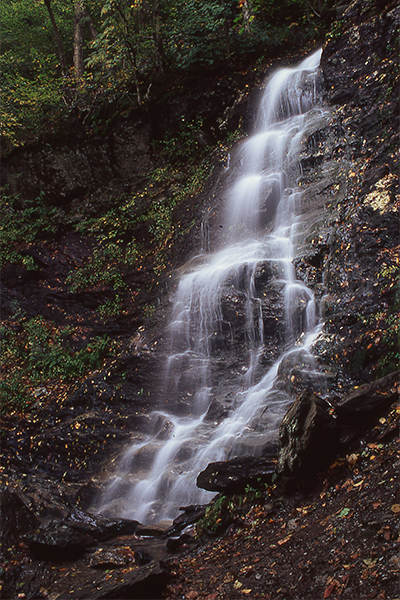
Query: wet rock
{"type": "Point", "coordinates": [72, 536]}
{"type": "Point", "coordinates": [87, 493]}
{"type": "Point", "coordinates": [369, 399]}
{"type": "Point", "coordinates": [177, 544]}
{"type": "Point", "coordinates": [90, 392]}
{"type": "Point", "coordinates": [234, 475]}
{"type": "Point", "coordinates": [58, 541]}
{"type": "Point", "coordinates": [315, 430]}
{"type": "Point", "coordinates": [191, 515]}
{"type": "Point", "coordinates": [365, 404]}
{"type": "Point", "coordinates": [217, 410]}
{"type": "Point", "coordinates": [145, 582]}
{"type": "Point", "coordinates": [100, 527]}
{"type": "Point", "coordinates": [17, 519]}
{"type": "Point", "coordinates": [111, 558]}
{"type": "Point", "coordinates": [308, 437]}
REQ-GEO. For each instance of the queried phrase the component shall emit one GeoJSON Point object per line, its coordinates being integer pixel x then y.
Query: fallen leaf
{"type": "Point", "coordinates": [377, 503]}
{"type": "Point", "coordinates": [191, 595]}
{"type": "Point", "coordinates": [353, 459]}
{"type": "Point", "coordinates": [237, 585]}
{"type": "Point", "coordinates": [246, 591]}
{"type": "Point", "coordinates": [344, 512]}
{"type": "Point", "coordinates": [365, 574]}
{"type": "Point", "coordinates": [369, 562]}
{"type": "Point", "coordinates": [329, 589]}
{"type": "Point", "coordinates": [284, 540]}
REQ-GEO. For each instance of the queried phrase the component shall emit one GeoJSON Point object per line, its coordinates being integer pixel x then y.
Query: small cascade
{"type": "Point", "coordinates": [158, 473]}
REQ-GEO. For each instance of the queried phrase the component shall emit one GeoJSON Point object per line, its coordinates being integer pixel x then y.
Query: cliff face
{"type": "Point", "coordinates": [362, 82]}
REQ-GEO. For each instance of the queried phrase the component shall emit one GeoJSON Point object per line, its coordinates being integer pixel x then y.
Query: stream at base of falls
{"type": "Point", "coordinates": [157, 473]}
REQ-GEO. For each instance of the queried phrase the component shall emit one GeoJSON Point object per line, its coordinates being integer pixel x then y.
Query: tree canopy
{"type": "Point", "coordinates": [63, 55]}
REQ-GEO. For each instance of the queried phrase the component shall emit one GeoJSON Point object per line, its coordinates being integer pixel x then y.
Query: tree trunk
{"type": "Point", "coordinates": [89, 23]}
{"type": "Point", "coordinates": [57, 38]}
{"type": "Point", "coordinates": [246, 14]}
{"type": "Point", "coordinates": [227, 41]}
{"type": "Point", "coordinates": [78, 38]}
{"type": "Point", "coordinates": [157, 35]}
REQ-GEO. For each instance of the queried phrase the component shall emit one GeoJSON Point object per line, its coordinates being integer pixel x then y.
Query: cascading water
{"type": "Point", "coordinates": [158, 474]}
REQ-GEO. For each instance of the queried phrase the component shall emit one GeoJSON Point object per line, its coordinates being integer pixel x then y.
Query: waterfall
{"type": "Point", "coordinates": [261, 230]}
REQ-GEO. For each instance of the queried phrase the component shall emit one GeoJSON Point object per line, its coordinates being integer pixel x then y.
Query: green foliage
{"type": "Point", "coordinates": [23, 225]}
{"type": "Point", "coordinates": [160, 216]}
{"type": "Point", "coordinates": [184, 144]}
{"type": "Point", "coordinates": [104, 267]}
{"type": "Point", "coordinates": [219, 515]}
{"type": "Point", "coordinates": [111, 308]}
{"type": "Point", "coordinates": [32, 98]}
{"type": "Point", "coordinates": [149, 310]}
{"type": "Point", "coordinates": [30, 106]}
{"type": "Point", "coordinates": [195, 32]}
{"type": "Point", "coordinates": [136, 41]}
{"type": "Point", "coordinates": [34, 350]}
{"type": "Point", "coordinates": [111, 253]}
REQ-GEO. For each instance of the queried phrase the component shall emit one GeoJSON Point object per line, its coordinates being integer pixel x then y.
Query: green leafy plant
{"type": "Point", "coordinates": [22, 223]}
{"type": "Point", "coordinates": [182, 145]}
{"type": "Point", "coordinates": [34, 350]}
{"type": "Point", "coordinates": [111, 308]}
{"type": "Point", "coordinates": [219, 515]}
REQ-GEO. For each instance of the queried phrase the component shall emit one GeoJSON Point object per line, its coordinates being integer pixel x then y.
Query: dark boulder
{"type": "Point", "coordinates": [234, 475]}
{"type": "Point", "coordinates": [17, 519]}
{"type": "Point", "coordinates": [368, 400]}
{"type": "Point", "coordinates": [314, 430]}
{"type": "Point", "coordinates": [111, 558]}
{"type": "Point", "coordinates": [71, 537]}
{"type": "Point", "coordinates": [308, 437]}
{"type": "Point", "coordinates": [98, 526]}
{"type": "Point", "coordinates": [57, 541]}
{"type": "Point", "coordinates": [357, 410]}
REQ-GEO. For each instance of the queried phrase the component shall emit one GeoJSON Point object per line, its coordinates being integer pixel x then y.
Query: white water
{"type": "Point", "coordinates": [158, 475]}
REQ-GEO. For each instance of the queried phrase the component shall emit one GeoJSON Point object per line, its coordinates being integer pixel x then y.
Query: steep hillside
{"type": "Point", "coordinates": [93, 247]}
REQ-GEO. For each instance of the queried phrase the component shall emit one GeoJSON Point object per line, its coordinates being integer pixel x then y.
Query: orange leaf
{"type": "Point", "coordinates": [329, 590]}
{"type": "Point", "coordinates": [284, 540]}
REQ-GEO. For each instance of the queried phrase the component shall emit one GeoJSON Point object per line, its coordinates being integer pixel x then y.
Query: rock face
{"type": "Point", "coordinates": [314, 431]}
{"type": "Point", "coordinates": [79, 164]}
{"type": "Point", "coordinates": [308, 437]}
{"type": "Point", "coordinates": [361, 306]}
